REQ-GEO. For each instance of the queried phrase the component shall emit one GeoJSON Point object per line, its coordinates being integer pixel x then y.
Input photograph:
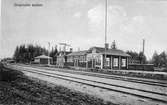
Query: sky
{"type": "Point", "coordinates": [80, 23]}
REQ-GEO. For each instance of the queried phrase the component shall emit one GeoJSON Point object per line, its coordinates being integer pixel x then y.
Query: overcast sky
{"type": "Point", "coordinates": [81, 24]}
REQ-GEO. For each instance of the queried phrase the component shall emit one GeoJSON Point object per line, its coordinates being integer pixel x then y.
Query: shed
{"type": "Point", "coordinates": [43, 59]}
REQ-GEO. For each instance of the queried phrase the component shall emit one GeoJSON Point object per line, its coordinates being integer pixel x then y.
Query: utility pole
{"type": "Point", "coordinates": [143, 45]}
{"type": "Point", "coordinates": [106, 15]}
{"type": "Point", "coordinates": [143, 51]}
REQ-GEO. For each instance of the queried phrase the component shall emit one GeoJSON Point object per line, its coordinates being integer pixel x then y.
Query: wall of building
{"type": "Point", "coordinates": [43, 61]}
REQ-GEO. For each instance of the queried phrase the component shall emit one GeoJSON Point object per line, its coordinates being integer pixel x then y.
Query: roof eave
{"type": "Point", "coordinates": [125, 55]}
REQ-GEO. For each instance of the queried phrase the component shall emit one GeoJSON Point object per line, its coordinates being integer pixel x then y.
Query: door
{"type": "Point", "coordinates": [76, 62]}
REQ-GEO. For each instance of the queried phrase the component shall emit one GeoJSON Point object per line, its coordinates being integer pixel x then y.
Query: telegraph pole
{"type": "Point", "coordinates": [143, 45]}
{"type": "Point", "coordinates": [106, 15]}
{"type": "Point", "coordinates": [143, 51]}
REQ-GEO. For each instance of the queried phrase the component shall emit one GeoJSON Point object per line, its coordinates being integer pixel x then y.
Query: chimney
{"type": "Point", "coordinates": [71, 49]}
{"type": "Point", "coordinates": [113, 46]}
{"type": "Point", "coordinates": [143, 45]}
{"type": "Point", "coordinates": [106, 46]}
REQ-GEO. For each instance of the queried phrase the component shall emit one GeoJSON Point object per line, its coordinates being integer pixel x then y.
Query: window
{"type": "Point", "coordinates": [70, 59]}
{"type": "Point", "coordinates": [123, 62]}
{"type": "Point", "coordinates": [115, 62]}
{"type": "Point", "coordinates": [82, 58]}
{"type": "Point", "coordinates": [107, 61]}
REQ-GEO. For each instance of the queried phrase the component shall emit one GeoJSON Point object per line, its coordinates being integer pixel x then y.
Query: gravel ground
{"type": "Point", "coordinates": [22, 91]}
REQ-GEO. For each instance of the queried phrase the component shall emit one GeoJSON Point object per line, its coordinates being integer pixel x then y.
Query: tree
{"type": "Point", "coordinates": [26, 53]}
{"type": "Point", "coordinates": [155, 59]}
{"type": "Point", "coordinates": [140, 57]}
{"type": "Point", "coordinates": [159, 60]}
{"type": "Point", "coordinates": [163, 59]}
{"type": "Point", "coordinates": [16, 54]}
{"type": "Point", "coordinates": [54, 53]}
{"type": "Point", "coordinates": [134, 55]}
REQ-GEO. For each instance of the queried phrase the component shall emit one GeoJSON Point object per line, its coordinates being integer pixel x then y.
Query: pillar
{"type": "Point", "coordinates": [87, 64]}
{"type": "Point", "coordinates": [102, 61]}
{"type": "Point", "coordinates": [111, 62]}
{"type": "Point", "coordinates": [127, 62]}
{"type": "Point", "coordinates": [119, 60]}
{"type": "Point", "coordinates": [92, 63]}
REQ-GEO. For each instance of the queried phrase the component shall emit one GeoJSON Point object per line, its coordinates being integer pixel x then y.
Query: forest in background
{"type": "Point", "coordinates": [26, 53]}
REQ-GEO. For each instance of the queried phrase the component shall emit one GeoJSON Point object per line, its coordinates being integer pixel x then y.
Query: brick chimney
{"type": "Point", "coordinates": [113, 46]}
{"type": "Point", "coordinates": [106, 46]}
{"type": "Point", "coordinates": [71, 50]}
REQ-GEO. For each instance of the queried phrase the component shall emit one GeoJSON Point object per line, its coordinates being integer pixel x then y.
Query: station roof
{"type": "Point", "coordinates": [98, 49]}
{"type": "Point", "coordinates": [78, 53]}
{"type": "Point", "coordinates": [101, 50]}
{"type": "Point", "coordinates": [115, 52]}
{"type": "Point", "coordinates": [43, 57]}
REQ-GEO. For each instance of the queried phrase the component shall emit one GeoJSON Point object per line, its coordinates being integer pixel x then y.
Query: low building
{"type": "Point", "coordinates": [43, 59]}
{"type": "Point", "coordinates": [95, 58]}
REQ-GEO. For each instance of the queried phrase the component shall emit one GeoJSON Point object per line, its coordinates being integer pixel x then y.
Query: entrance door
{"type": "Point", "coordinates": [75, 62]}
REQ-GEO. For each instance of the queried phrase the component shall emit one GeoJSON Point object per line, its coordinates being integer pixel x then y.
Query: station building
{"type": "Point", "coordinates": [95, 58]}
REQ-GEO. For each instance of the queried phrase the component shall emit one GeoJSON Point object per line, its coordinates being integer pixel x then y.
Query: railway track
{"type": "Point", "coordinates": [131, 79]}
{"type": "Point", "coordinates": [160, 97]}
{"type": "Point", "coordinates": [122, 78]}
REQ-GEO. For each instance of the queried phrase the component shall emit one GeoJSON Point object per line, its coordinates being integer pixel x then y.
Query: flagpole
{"type": "Point", "coordinates": [106, 15]}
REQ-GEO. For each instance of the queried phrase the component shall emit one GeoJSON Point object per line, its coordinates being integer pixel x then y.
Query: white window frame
{"type": "Point", "coordinates": [115, 62]}
{"type": "Point", "coordinates": [107, 61]}
{"type": "Point", "coordinates": [123, 63]}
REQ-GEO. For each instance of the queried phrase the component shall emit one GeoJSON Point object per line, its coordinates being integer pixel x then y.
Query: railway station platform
{"type": "Point", "coordinates": [142, 74]}
{"type": "Point", "coordinates": [130, 73]}
{"type": "Point", "coordinates": [140, 71]}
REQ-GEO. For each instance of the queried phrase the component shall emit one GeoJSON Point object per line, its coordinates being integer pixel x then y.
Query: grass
{"type": "Point", "coordinates": [17, 89]}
